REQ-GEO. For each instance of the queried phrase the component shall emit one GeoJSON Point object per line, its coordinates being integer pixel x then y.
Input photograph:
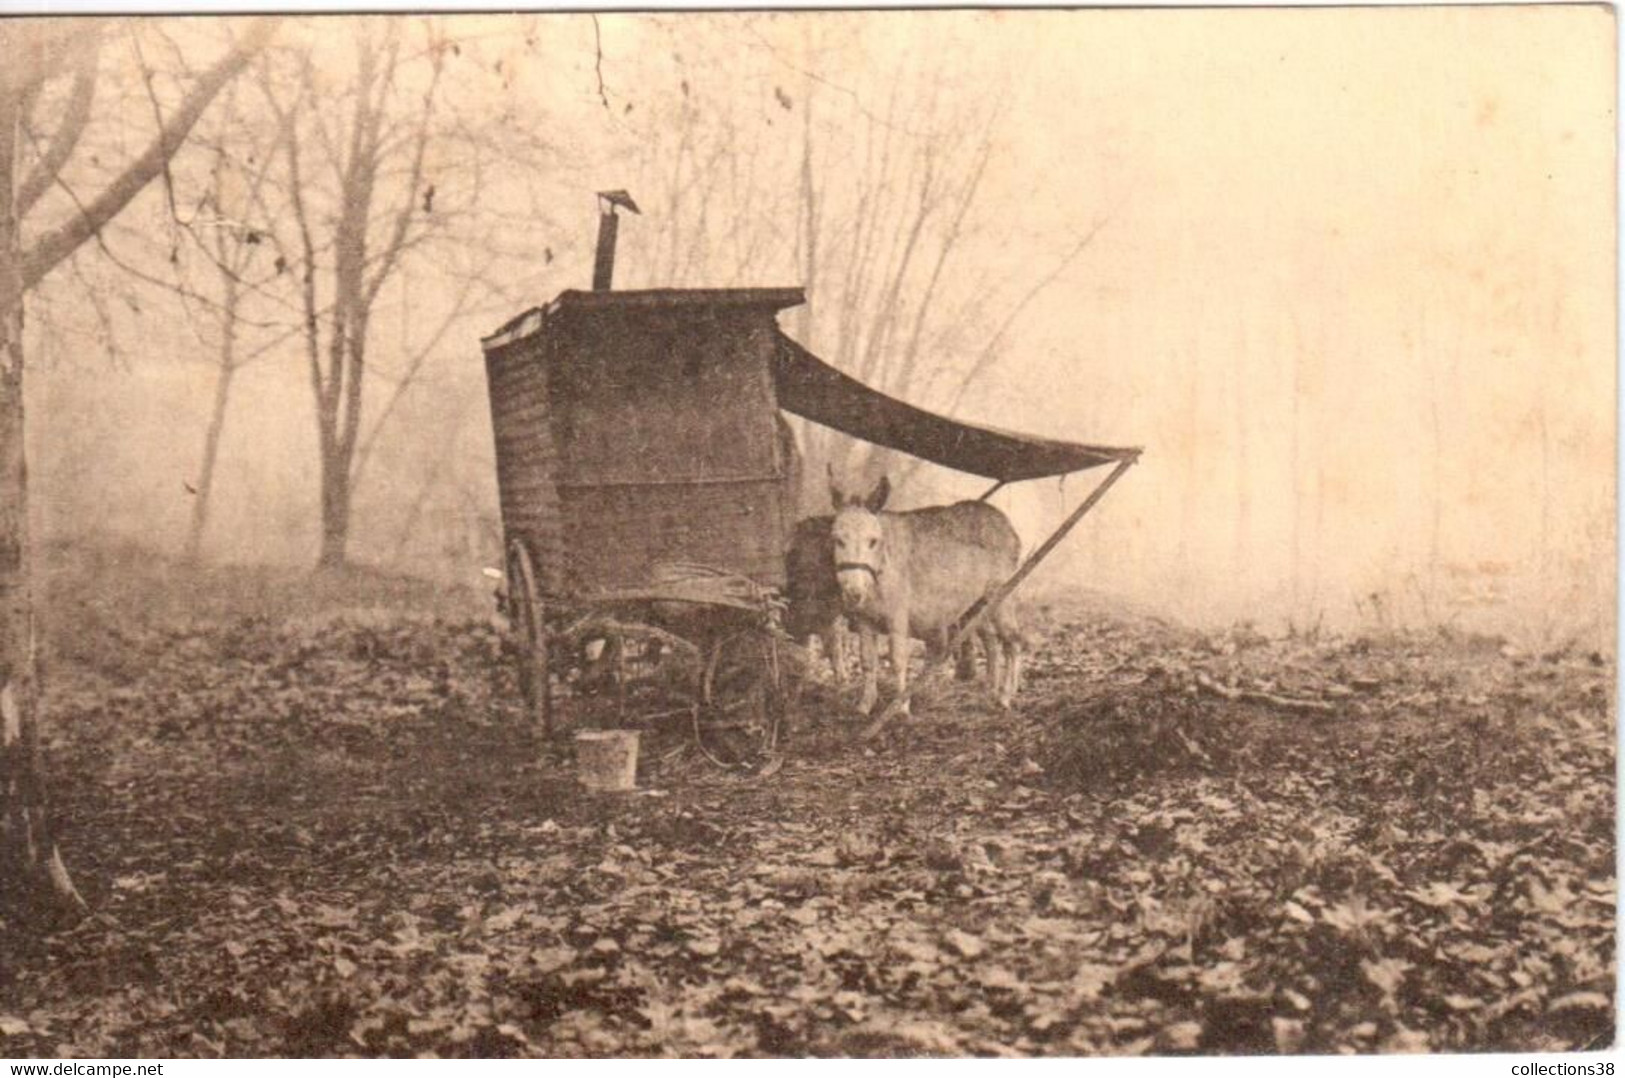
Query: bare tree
{"type": "Point", "coordinates": [902, 307]}
{"type": "Point", "coordinates": [360, 205]}
{"type": "Point", "coordinates": [708, 164]}
{"type": "Point", "coordinates": [39, 53]}
{"type": "Point", "coordinates": [872, 195]}
{"type": "Point", "coordinates": [368, 235]}
{"type": "Point", "coordinates": [225, 230]}
{"type": "Point", "coordinates": [225, 373]}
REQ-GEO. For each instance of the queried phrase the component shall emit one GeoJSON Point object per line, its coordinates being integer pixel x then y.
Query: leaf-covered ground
{"type": "Point", "coordinates": [326, 834]}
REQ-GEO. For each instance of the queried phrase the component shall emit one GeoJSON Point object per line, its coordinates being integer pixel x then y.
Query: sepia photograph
{"type": "Point", "coordinates": [892, 533]}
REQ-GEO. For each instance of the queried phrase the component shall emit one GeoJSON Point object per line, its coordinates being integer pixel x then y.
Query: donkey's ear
{"type": "Point", "coordinates": [876, 501]}
{"type": "Point", "coordinates": [835, 495]}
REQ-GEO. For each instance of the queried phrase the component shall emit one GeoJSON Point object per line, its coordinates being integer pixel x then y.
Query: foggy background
{"type": "Point", "coordinates": [1346, 275]}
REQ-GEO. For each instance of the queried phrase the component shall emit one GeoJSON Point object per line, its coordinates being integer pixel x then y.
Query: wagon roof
{"type": "Point", "coordinates": [812, 389]}
{"type": "Point", "coordinates": [764, 299]}
{"type": "Point", "coordinates": [774, 299]}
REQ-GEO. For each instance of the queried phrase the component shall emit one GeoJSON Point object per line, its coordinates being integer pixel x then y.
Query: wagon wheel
{"type": "Point", "coordinates": [743, 703]}
{"type": "Point", "coordinates": [525, 617]}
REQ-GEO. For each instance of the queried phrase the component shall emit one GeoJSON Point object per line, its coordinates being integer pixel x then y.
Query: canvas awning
{"type": "Point", "coordinates": [812, 389]}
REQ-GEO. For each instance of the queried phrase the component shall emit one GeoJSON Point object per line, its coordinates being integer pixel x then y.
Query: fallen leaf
{"type": "Point", "coordinates": [1091, 979]}
{"type": "Point", "coordinates": [934, 1038]}
{"type": "Point", "coordinates": [1000, 977]}
{"type": "Point", "coordinates": [851, 1004]}
{"type": "Point", "coordinates": [501, 922]}
{"type": "Point", "coordinates": [1577, 1000]}
{"type": "Point", "coordinates": [1297, 999]}
{"type": "Point", "coordinates": [1439, 895]}
{"type": "Point", "coordinates": [1556, 900]}
{"type": "Point", "coordinates": [917, 950]}
{"type": "Point", "coordinates": [1182, 1036]}
{"type": "Point", "coordinates": [967, 945]}
{"type": "Point", "coordinates": [1387, 974]}
{"type": "Point", "coordinates": [1476, 953]}
{"type": "Point", "coordinates": [334, 916]}
{"type": "Point", "coordinates": [548, 959]}
{"type": "Point", "coordinates": [1406, 1040]}
{"type": "Point", "coordinates": [1288, 1035]}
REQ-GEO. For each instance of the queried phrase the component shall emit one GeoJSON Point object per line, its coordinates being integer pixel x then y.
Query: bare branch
{"type": "Point", "coordinates": [409, 200]}
{"type": "Point", "coordinates": [598, 59]}
{"type": "Point", "coordinates": [364, 451]}
{"type": "Point", "coordinates": [108, 336]}
{"type": "Point", "coordinates": [950, 241]}
{"type": "Point", "coordinates": [34, 49]}
{"type": "Point", "coordinates": [57, 244]}
{"type": "Point", "coordinates": [989, 350]}
{"type": "Point", "coordinates": [66, 136]}
{"type": "Point", "coordinates": [158, 122]}
{"type": "Point", "coordinates": [290, 147]}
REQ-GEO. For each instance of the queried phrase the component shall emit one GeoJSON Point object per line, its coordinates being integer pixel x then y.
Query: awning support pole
{"type": "Point", "coordinates": [994, 489]}
{"type": "Point", "coordinates": [972, 618]}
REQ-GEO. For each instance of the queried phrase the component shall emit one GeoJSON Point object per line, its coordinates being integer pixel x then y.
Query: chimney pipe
{"type": "Point", "coordinates": [603, 267]}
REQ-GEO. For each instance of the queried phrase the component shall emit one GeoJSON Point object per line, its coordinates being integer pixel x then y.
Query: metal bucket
{"type": "Point", "coordinates": [607, 759]}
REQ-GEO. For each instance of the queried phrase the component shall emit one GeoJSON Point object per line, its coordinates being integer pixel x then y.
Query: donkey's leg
{"type": "Point", "coordinates": [1018, 664]}
{"type": "Point", "coordinates": [899, 658]}
{"type": "Point", "coordinates": [835, 648]}
{"type": "Point", "coordinates": [995, 661]}
{"type": "Point", "coordinates": [869, 659]}
{"type": "Point", "coordinates": [1015, 647]}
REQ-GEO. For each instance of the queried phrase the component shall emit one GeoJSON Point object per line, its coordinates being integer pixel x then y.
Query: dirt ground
{"type": "Point", "coordinates": [310, 823]}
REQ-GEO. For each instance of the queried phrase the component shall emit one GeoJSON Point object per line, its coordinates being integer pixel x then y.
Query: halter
{"type": "Point", "coordinates": [845, 566]}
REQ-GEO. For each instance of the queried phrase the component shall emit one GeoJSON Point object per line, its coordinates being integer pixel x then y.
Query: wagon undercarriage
{"type": "Point", "coordinates": [696, 649]}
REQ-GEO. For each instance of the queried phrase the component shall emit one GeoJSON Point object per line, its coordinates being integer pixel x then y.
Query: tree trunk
{"type": "Point", "coordinates": [338, 406]}
{"type": "Point", "coordinates": [33, 880]}
{"type": "Point", "coordinates": [340, 422]}
{"type": "Point", "coordinates": [217, 422]}
{"type": "Point", "coordinates": [335, 510]}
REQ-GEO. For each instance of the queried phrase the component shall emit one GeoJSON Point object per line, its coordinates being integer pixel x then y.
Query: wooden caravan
{"type": "Point", "coordinates": [636, 428]}
{"type": "Point", "coordinates": [647, 479]}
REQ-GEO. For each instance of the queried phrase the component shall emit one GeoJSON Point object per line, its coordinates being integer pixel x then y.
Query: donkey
{"type": "Point", "coordinates": [813, 595]}
{"type": "Point", "coordinates": [913, 574]}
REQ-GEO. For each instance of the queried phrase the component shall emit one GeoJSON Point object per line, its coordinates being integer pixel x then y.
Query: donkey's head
{"type": "Point", "coordinates": [859, 541]}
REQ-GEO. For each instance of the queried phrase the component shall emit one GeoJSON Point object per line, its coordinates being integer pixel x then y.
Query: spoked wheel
{"type": "Point", "coordinates": [743, 703]}
{"type": "Point", "coordinates": [525, 616]}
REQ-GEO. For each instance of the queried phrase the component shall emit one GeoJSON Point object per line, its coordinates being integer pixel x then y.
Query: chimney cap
{"type": "Point", "coordinates": [620, 198]}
